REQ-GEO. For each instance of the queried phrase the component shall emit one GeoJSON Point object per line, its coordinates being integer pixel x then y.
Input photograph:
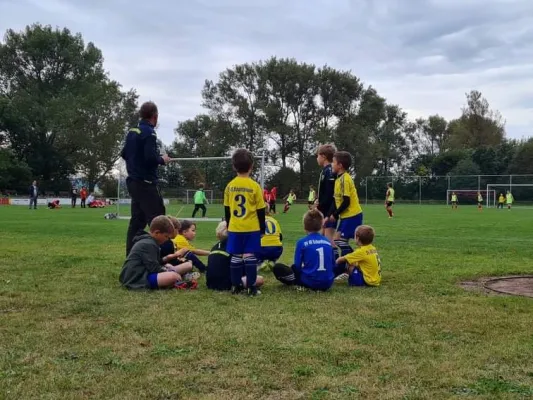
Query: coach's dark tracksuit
{"type": "Point", "coordinates": [142, 158]}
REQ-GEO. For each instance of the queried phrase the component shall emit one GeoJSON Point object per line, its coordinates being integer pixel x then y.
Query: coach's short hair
{"type": "Point", "coordinates": [365, 233]}
{"type": "Point", "coordinates": [343, 158]}
{"type": "Point", "coordinates": [242, 160]}
{"type": "Point", "coordinates": [148, 110]}
{"type": "Point", "coordinates": [327, 150]}
{"type": "Point", "coordinates": [162, 224]}
{"type": "Point", "coordinates": [313, 220]}
{"type": "Point", "coordinates": [222, 231]}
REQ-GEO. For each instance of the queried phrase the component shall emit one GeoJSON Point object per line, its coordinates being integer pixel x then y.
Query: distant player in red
{"type": "Point", "coordinates": [267, 196]}
{"type": "Point", "coordinates": [273, 198]}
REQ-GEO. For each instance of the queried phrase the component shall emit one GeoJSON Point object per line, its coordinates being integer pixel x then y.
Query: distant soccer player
{"type": "Point", "coordinates": [273, 198]}
{"type": "Point", "coordinates": [312, 197]}
{"type": "Point", "coordinates": [501, 201]}
{"type": "Point", "coordinates": [509, 199]}
{"type": "Point", "coordinates": [455, 201]}
{"type": "Point", "coordinates": [313, 258]}
{"type": "Point", "coordinates": [326, 186]}
{"type": "Point", "coordinates": [346, 208]}
{"type": "Point", "coordinates": [479, 201]}
{"type": "Point", "coordinates": [289, 200]}
{"type": "Point", "coordinates": [364, 265]}
{"type": "Point", "coordinates": [389, 199]}
{"type": "Point", "coordinates": [267, 197]}
{"type": "Point", "coordinates": [200, 201]}
{"type": "Point", "coordinates": [244, 208]}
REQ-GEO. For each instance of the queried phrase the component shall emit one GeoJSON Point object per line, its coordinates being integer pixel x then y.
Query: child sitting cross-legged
{"type": "Point", "coordinates": [187, 233]}
{"type": "Point", "coordinates": [313, 258]}
{"type": "Point", "coordinates": [363, 264]}
{"type": "Point", "coordinates": [218, 275]}
{"type": "Point", "coordinates": [143, 269]}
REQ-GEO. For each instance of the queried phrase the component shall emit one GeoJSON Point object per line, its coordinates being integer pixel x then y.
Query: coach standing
{"type": "Point", "coordinates": [142, 158]}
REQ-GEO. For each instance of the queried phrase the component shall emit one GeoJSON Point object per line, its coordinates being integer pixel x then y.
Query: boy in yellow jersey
{"type": "Point", "coordinates": [244, 208]}
{"type": "Point", "coordinates": [289, 199]}
{"type": "Point", "coordinates": [501, 201]}
{"type": "Point", "coordinates": [346, 208]}
{"type": "Point", "coordinates": [509, 199]}
{"type": "Point", "coordinates": [271, 243]}
{"type": "Point", "coordinates": [479, 201]}
{"type": "Point", "coordinates": [389, 199]}
{"type": "Point", "coordinates": [311, 198]}
{"type": "Point", "coordinates": [364, 265]}
{"type": "Point", "coordinates": [455, 200]}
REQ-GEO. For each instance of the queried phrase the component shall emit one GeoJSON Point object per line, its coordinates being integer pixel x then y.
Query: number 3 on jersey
{"type": "Point", "coordinates": [241, 201]}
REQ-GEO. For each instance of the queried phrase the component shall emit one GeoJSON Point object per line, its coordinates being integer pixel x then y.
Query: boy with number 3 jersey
{"type": "Point", "coordinates": [244, 208]}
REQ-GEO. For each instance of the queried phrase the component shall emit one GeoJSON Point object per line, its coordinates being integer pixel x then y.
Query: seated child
{"type": "Point", "coordinates": [364, 265]}
{"type": "Point", "coordinates": [186, 233]}
{"type": "Point", "coordinates": [54, 204]}
{"type": "Point", "coordinates": [218, 274]}
{"type": "Point", "coordinates": [169, 247]}
{"type": "Point", "coordinates": [142, 269]}
{"type": "Point", "coordinates": [271, 243]}
{"type": "Point", "coordinates": [313, 258]}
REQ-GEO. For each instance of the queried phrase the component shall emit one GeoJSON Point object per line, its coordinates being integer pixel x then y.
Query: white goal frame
{"type": "Point", "coordinates": [504, 185]}
{"type": "Point", "coordinates": [190, 198]}
{"type": "Point", "coordinates": [484, 193]}
{"type": "Point", "coordinates": [261, 157]}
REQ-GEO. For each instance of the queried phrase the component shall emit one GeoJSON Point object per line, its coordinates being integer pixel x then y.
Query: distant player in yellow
{"type": "Point", "coordinates": [347, 209]}
{"type": "Point", "coordinates": [479, 201]}
{"type": "Point", "coordinates": [364, 265]}
{"type": "Point", "coordinates": [312, 197]}
{"type": "Point", "coordinates": [244, 208]}
{"type": "Point", "coordinates": [289, 199]}
{"type": "Point", "coordinates": [271, 243]}
{"type": "Point", "coordinates": [389, 199]}
{"type": "Point", "coordinates": [509, 199]}
{"type": "Point", "coordinates": [454, 200]}
{"type": "Point", "coordinates": [501, 201]}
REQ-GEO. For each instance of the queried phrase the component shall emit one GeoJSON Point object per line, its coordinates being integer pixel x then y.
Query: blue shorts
{"type": "Point", "coordinates": [243, 243]}
{"type": "Point", "coordinates": [356, 278]}
{"type": "Point", "coordinates": [270, 253]}
{"type": "Point", "coordinates": [347, 226]}
{"type": "Point", "coordinates": [152, 280]}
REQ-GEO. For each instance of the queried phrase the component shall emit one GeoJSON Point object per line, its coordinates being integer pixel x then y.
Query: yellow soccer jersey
{"type": "Point", "coordinates": [501, 199]}
{"type": "Point", "coordinates": [182, 243]}
{"type": "Point", "coordinates": [366, 258]}
{"type": "Point", "coordinates": [344, 186]}
{"type": "Point", "coordinates": [479, 198]}
{"type": "Point", "coordinates": [454, 198]}
{"type": "Point", "coordinates": [272, 234]}
{"type": "Point", "coordinates": [244, 197]}
{"type": "Point", "coordinates": [509, 197]}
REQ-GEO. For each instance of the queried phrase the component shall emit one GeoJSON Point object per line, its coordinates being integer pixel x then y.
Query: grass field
{"type": "Point", "coordinates": [68, 330]}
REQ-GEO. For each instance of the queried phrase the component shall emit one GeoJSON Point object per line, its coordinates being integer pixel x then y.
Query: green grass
{"type": "Point", "coordinates": [68, 330]}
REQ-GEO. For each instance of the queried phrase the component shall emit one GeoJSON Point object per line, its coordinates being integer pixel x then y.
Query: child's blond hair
{"type": "Point", "coordinates": [222, 231]}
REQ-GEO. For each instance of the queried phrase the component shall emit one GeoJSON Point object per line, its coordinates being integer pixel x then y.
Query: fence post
{"type": "Point", "coordinates": [511, 184]}
{"type": "Point", "coordinates": [479, 183]}
{"type": "Point", "coordinates": [419, 190]}
{"type": "Point", "coordinates": [118, 193]}
{"type": "Point", "coordinates": [366, 190]}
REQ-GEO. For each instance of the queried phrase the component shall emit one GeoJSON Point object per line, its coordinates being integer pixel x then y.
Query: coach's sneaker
{"type": "Point", "coordinates": [252, 291]}
{"type": "Point", "coordinates": [237, 289]}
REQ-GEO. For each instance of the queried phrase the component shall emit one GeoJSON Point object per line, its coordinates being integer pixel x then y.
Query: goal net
{"type": "Point", "coordinates": [522, 192]}
{"type": "Point", "coordinates": [469, 196]}
{"type": "Point", "coordinates": [181, 178]}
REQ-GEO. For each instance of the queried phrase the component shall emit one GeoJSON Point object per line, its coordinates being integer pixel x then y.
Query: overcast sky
{"type": "Point", "coordinates": [421, 54]}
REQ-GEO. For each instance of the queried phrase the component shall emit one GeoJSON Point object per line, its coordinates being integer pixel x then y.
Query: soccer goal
{"type": "Point", "coordinates": [179, 176]}
{"type": "Point", "coordinates": [503, 188]}
{"type": "Point", "coordinates": [469, 196]}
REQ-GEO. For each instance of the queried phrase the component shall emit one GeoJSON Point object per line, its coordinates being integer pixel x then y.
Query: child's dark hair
{"type": "Point", "coordinates": [313, 221]}
{"type": "Point", "coordinates": [242, 161]}
{"type": "Point", "coordinates": [389, 184]}
{"type": "Point", "coordinates": [185, 226]}
{"type": "Point", "coordinates": [327, 150]}
{"type": "Point", "coordinates": [343, 158]}
{"type": "Point", "coordinates": [365, 233]}
{"type": "Point", "coordinates": [162, 224]}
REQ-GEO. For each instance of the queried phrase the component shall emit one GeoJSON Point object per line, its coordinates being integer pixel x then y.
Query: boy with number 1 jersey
{"type": "Point", "coordinates": [244, 208]}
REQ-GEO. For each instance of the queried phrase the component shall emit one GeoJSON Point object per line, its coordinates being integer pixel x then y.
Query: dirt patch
{"type": "Point", "coordinates": [521, 285]}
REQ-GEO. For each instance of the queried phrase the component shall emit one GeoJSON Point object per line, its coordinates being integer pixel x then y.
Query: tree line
{"type": "Point", "coordinates": [61, 114]}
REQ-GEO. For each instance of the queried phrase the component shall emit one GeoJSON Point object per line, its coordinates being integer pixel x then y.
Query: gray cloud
{"type": "Point", "coordinates": [421, 54]}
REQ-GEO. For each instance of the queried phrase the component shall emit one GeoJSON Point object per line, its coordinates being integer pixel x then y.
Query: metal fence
{"type": "Point", "coordinates": [417, 189]}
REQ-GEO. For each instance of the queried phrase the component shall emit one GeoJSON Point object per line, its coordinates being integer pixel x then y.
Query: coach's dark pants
{"type": "Point", "coordinates": [199, 207]}
{"type": "Point", "coordinates": [146, 204]}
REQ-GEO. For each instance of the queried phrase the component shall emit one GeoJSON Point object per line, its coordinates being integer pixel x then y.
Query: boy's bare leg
{"type": "Point", "coordinates": [182, 268]}
{"type": "Point", "coordinates": [167, 279]}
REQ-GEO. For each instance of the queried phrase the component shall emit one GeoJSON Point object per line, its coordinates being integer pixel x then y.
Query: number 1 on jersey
{"type": "Point", "coordinates": [320, 252]}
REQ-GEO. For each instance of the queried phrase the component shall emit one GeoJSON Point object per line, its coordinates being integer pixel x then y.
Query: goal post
{"type": "Point", "coordinates": [504, 187]}
{"type": "Point", "coordinates": [469, 194]}
{"type": "Point", "coordinates": [181, 177]}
